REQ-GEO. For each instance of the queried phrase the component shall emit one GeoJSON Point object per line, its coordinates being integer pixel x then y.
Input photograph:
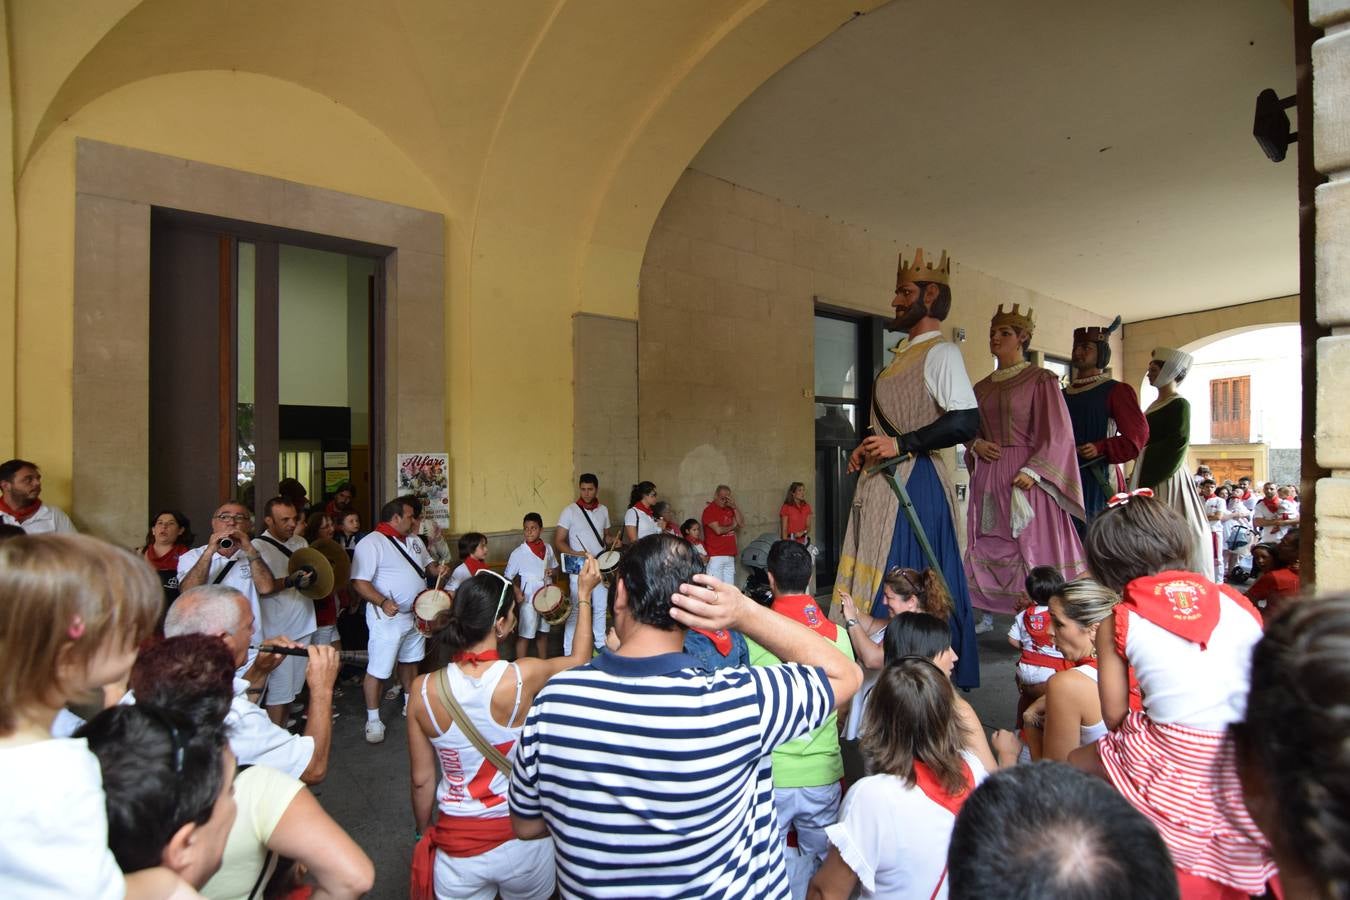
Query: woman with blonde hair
{"type": "Point", "coordinates": [894, 825]}
{"type": "Point", "coordinates": [1069, 715]}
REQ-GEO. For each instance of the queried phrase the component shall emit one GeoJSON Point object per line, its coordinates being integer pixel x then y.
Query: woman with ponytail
{"type": "Point", "coordinates": [471, 849]}
{"type": "Point", "coordinates": [639, 520]}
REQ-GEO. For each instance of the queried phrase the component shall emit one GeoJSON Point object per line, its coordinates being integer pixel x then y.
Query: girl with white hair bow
{"type": "Point", "coordinates": [1162, 464]}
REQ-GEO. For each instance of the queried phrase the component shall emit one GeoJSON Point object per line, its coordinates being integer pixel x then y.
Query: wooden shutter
{"type": "Point", "coordinates": [1230, 410]}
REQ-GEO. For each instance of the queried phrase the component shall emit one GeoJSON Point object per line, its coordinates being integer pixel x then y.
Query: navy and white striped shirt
{"type": "Point", "coordinates": [654, 776]}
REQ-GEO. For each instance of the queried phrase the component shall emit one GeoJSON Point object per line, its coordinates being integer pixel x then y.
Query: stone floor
{"type": "Point", "coordinates": [367, 788]}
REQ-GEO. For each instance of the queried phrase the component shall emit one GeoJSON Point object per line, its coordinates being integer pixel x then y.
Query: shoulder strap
{"type": "Point", "coordinates": [458, 716]}
{"type": "Point", "coordinates": [220, 576]}
{"type": "Point", "coordinates": [287, 551]}
{"type": "Point", "coordinates": [404, 554]}
{"type": "Point", "coordinates": [598, 539]}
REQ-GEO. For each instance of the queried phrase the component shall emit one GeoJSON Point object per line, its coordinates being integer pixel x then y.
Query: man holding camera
{"type": "Point", "coordinates": [229, 558]}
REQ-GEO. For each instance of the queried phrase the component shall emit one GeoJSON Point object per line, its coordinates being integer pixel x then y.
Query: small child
{"type": "Point", "coordinates": [1031, 633]}
{"type": "Point", "coordinates": [693, 533]}
{"type": "Point", "coordinates": [349, 531]}
{"type": "Point", "coordinates": [532, 564]}
{"type": "Point", "coordinates": [73, 611]}
{"type": "Point", "coordinates": [473, 551]}
{"type": "Point", "coordinates": [1189, 642]}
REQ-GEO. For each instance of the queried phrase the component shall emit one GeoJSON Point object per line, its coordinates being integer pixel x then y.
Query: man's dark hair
{"type": "Point", "coordinates": [588, 478]}
{"type": "Point", "coordinates": [790, 566]}
{"type": "Point", "coordinates": [651, 571]}
{"type": "Point", "coordinates": [160, 772]}
{"type": "Point", "coordinates": [942, 303]}
{"type": "Point", "coordinates": [274, 502]}
{"type": "Point", "coordinates": [1043, 582]}
{"type": "Point", "coordinates": [1208, 481]}
{"type": "Point", "coordinates": [915, 634]}
{"type": "Point", "coordinates": [345, 486]}
{"type": "Point", "coordinates": [533, 517]}
{"type": "Point", "coordinates": [1046, 831]}
{"type": "Point", "coordinates": [395, 508]}
{"type": "Point", "coordinates": [12, 467]}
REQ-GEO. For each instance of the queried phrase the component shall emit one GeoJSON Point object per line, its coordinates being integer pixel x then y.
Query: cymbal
{"type": "Point", "coordinates": [309, 558]}
{"type": "Point", "coordinates": [337, 558]}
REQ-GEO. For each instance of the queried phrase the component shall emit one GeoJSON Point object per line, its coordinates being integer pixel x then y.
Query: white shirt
{"type": "Point", "coordinates": [944, 374]}
{"type": "Point", "coordinates": [239, 577]}
{"type": "Point", "coordinates": [288, 611]}
{"type": "Point", "coordinates": [1216, 505]}
{"type": "Point", "coordinates": [530, 568]}
{"type": "Point", "coordinates": [55, 824]}
{"type": "Point", "coordinates": [257, 740]}
{"type": "Point", "coordinates": [640, 520]}
{"type": "Point", "coordinates": [579, 535]}
{"type": "Point", "coordinates": [378, 561]}
{"type": "Point", "coordinates": [457, 577]}
{"type": "Point", "coordinates": [1271, 534]}
{"type": "Point", "coordinates": [895, 838]}
{"type": "Point", "coordinates": [46, 520]}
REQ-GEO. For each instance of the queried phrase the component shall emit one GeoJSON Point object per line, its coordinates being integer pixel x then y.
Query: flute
{"type": "Point", "coordinates": [343, 655]}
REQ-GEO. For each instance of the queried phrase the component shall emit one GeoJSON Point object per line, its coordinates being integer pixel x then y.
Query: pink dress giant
{"type": "Point", "coordinates": [1022, 410]}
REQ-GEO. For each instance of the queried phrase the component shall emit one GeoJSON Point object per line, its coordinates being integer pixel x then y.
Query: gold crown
{"type": "Point", "coordinates": [1015, 317]}
{"type": "Point", "coordinates": [916, 271]}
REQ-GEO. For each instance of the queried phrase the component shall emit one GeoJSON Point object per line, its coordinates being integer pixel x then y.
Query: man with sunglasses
{"type": "Point", "coordinates": [229, 558]}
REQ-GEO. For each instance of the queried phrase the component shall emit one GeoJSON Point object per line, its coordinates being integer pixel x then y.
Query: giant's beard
{"type": "Point", "coordinates": [909, 318]}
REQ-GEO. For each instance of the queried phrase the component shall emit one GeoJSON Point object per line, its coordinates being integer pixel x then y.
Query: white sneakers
{"type": "Point", "coordinates": [375, 732]}
{"type": "Point", "coordinates": [985, 624]}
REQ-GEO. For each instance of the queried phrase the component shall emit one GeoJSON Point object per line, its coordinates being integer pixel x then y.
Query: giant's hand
{"type": "Point", "coordinates": [881, 446]}
{"type": "Point", "coordinates": [855, 459]}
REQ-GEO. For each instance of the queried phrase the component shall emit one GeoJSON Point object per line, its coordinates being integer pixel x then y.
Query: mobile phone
{"type": "Point", "coordinates": [571, 564]}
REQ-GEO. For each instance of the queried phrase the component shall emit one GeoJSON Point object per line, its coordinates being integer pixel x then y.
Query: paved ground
{"type": "Point", "coordinates": [367, 788]}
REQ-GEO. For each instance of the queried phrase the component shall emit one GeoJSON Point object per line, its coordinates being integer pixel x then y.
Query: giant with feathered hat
{"type": "Point", "coordinates": [1109, 428]}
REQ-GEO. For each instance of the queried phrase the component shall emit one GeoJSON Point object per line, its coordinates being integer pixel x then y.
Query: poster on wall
{"type": "Point", "coordinates": [426, 476]}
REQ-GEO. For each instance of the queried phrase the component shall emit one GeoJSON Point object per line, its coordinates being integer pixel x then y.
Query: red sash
{"type": "Point", "coordinates": [1183, 603]}
{"type": "Point", "coordinates": [390, 531]}
{"type": "Point", "coordinates": [21, 515]}
{"type": "Point", "coordinates": [720, 639]}
{"type": "Point", "coordinates": [802, 608]}
{"type": "Point", "coordinates": [457, 836]}
{"type": "Point", "coordinates": [1032, 658]}
{"type": "Point", "coordinates": [474, 565]}
{"type": "Point", "coordinates": [536, 547]}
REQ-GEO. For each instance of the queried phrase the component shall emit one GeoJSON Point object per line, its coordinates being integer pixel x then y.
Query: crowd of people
{"type": "Point", "coordinates": [1174, 738]}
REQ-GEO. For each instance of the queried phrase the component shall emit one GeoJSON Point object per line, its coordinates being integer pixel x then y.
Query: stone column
{"type": "Point", "coordinates": [1331, 157]}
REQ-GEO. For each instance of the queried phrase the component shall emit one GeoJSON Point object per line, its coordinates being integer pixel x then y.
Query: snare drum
{"type": "Point", "coordinates": [551, 605]}
{"type": "Point", "coordinates": [608, 562]}
{"type": "Point", "coordinates": [427, 608]}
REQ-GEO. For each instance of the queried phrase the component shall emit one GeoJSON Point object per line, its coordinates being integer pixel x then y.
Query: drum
{"type": "Point", "coordinates": [551, 605]}
{"type": "Point", "coordinates": [608, 562]}
{"type": "Point", "coordinates": [427, 608]}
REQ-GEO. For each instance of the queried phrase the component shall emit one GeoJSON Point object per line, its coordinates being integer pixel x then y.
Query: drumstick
{"type": "Point", "coordinates": [344, 655]}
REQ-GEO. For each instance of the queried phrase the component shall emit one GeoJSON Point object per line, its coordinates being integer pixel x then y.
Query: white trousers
{"type": "Point", "coordinates": [599, 603]}
{"type": "Point", "coordinates": [723, 568]}
{"type": "Point", "coordinates": [517, 870]}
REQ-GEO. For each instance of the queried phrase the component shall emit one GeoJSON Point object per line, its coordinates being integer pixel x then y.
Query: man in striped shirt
{"type": "Point", "coordinates": [653, 775]}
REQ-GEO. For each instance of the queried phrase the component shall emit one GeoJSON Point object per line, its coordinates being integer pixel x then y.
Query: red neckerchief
{"type": "Point", "coordinates": [474, 564]}
{"type": "Point", "coordinates": [168, 562]}
{"type": "Point", "coordinates": [802, 608]}
{"type": "Point", "coordinates": [594, 504]}
{"type": "Point", "coordinates": [536, 547]}
{"type": "Point", "coordinates": [1271, 503]}
{"type": "Point", "coordinates": [465, 656]}
{"type": "Point", "coordinates": [1184, 603]}
{"type": "Point", "coordinates": [927, 781]}
{"type": "Point", "coordinates": [1036, 620]}
{"type": "Point", "coordinates": [720, 638]}
{"type": "Point", "coordinates": [386, 529]}
{"type": "Point", "coordinates": [20, 515]}
{"type": "Point", "coordinates": [642, 506]}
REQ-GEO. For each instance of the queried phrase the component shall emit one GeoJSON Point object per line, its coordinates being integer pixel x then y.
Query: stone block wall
{"type": "Point", "coordinates": [1331, 134]}
{"type": "Point", "coordinates": [729, 287]}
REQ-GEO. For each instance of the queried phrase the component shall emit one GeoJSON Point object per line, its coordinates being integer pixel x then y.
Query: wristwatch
{"type": "Point", "coordinates": [849, 623]}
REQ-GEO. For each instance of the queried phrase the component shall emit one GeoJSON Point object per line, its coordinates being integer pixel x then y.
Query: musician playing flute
{"type": "Point", "coordinates": [922, 403]}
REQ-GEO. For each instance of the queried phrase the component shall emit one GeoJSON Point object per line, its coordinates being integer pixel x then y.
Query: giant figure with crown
{"type": "Point", "coordinates": [1024, 487]}
{"type": "Point", "coordinates": [1109, 428]}
{"type": "Point", "coordinates": [922, 403]}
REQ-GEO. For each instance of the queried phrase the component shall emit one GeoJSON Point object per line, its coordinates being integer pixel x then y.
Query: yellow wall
{"type": "Point", "coordinates": [548, 132]}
